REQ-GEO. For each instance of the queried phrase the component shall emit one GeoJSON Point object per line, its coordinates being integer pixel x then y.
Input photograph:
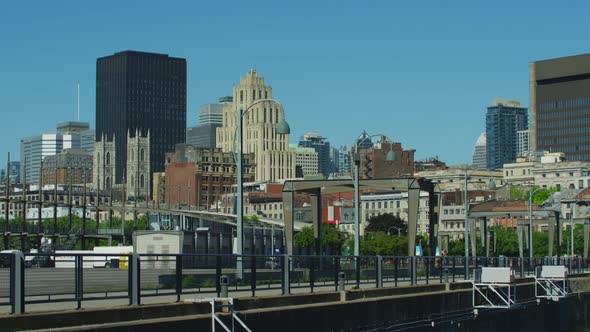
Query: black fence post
{"type": "Point", "coordinates": [178, 277]}
{"type": "Point", "coordinates": [336, 271]}
{"type": "Point", "coordinates": [454, 266]}
{"type": "Point", "coordinates": [427, 261]}
{"type": "Point", "coordinates": [379, 272]}
{"type": "Point", "coordinates": [311, 272]}
{"type": "Point", "coordinates": [79, 279]}
{"type": "Point", "coordinates": [253, 275]}
{"type": "Point", "coordinates": [441, 263]}
{"type": "Point", "coordinates": [218, 275]}
{"type": "Point", "coordinates": [358, 271]}
{"type": "Point", "coordinates": [395, 269]}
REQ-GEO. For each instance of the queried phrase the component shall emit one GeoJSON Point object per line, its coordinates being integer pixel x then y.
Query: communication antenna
{"type": "Point", "coordinates": [78, 101]}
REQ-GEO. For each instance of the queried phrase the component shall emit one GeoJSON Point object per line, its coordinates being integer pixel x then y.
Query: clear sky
{"type": "Point", "coordinates": [421, 72]}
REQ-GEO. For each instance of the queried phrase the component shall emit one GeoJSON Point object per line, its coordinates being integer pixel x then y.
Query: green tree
{"type": "Point", "coordinates": [387, 223]}
{"type": "Point", "coordinates": [539, 197]}
{"type": "Point", "coordinates": [332, 238]}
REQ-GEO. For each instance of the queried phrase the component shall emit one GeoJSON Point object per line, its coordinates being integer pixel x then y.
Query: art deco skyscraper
{"type": "Point", "coordinates": [274, 161]}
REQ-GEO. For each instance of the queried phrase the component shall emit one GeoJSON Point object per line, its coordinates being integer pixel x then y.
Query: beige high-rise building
{"type": "Point", "coordinates": [274, 161]}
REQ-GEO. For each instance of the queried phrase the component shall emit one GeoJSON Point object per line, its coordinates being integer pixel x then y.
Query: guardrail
{"type": "Point", "coordinates": [76, 278]}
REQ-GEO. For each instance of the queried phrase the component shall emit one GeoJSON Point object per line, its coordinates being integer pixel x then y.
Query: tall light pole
{"type": "Point", "coordinates": [531, 194]}
{"type": "Point", "coordinates": [282, 128]}
{"type": "Point", "coordinates": [357, 208]}
{"type": "Point", "coordinates": [399, 230]}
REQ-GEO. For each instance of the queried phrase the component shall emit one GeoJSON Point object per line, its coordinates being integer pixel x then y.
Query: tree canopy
{"type": "Point", "coordinates": [387, 223]}
{"type": "Point", "coordinates": [539, 197]}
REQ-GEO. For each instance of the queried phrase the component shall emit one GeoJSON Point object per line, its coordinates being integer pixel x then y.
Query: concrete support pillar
{"type": "Point", "coordinates": [288, 215]}
{"type": "Point", "coordinates": [559, 232]}
{"type": "Point", "coordinates": [586, 238]}
{"type": "Point", "coordinates": [316, 208]}
{"type": "Point", "coordinates": [473, 238]}
{"type": "Point", "coordinates": [551, 227]}
{"type": "Point", "coordinates": [413, 200]}
{"type": "Point", "coordinates": [520, 244]}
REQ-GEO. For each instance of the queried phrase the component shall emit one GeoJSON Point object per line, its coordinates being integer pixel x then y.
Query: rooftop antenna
{"type": "Point", "coordinates": [78, 101]}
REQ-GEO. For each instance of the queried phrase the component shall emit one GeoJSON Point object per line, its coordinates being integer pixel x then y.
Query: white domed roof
{"type": "Point", "coordinates": [481, 140]}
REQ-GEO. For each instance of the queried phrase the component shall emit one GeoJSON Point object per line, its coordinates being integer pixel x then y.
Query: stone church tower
{"type": "Point", "coordinates": [138, 165]}
{"type": "Point", "coordinates": [104, 163]}
{"type": "Point", "coordinates": [274, 161]}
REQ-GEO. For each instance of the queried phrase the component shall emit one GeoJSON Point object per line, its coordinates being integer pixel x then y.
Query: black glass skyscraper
{"type": "Point", "coordinates": [141, 91]}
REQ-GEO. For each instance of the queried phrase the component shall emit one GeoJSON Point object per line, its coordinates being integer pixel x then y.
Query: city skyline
{"type": "Point", "coordinates": [439, 65]}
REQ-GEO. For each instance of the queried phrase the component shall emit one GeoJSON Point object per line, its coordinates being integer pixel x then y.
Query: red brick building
{"type": "Point", "coordinates": [199, 177]}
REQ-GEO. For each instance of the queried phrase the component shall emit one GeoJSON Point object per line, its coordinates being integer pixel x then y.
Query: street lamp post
{"type": "Point", "coordinates": [282, 128]}
{"type": "Point", "coordinates": [531, 193]}
{"type": "Point", "coordinates": [357, 209]}
{"type": "Point", "coordinates": [399, 230]}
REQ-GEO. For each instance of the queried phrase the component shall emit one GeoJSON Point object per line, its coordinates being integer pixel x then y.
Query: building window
{"type": "Point", "coordinates": [141, 181]}
{"type": "Point", "coordinates": [241, 96]}
{"type": "Point", "coordinates": [141, 158]}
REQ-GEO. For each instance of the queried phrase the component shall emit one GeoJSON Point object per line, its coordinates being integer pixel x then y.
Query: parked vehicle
{"type": "Point", "coordinates": [112, 257]}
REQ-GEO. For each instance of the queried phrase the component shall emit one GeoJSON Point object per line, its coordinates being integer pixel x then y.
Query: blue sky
{"type": "Point", "coordinates": [421, 72]}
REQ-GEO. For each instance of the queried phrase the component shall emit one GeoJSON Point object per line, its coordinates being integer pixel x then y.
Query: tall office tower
{"type": "Point", "coordinates": [87, 135]}
{"type": "Point", "coordinates": [344, 161]}
{"type": "Point", "coordinates": [479, 157]}
{"type": "Point", "coordinates": [211, 114]}
{"type": "Point", "coordinates": [306, 159]}
{"type": "Point", "coordinates": [13, 172]}
{"type": "Point", "coordinates": [503, 120]}
{"type": "Point", "coordinates": [34, 149]}
{"type": "Point", "coordinates": [273, 160]}
{"type": "Point", "coordinates": [334, 153]}
{"type": "Point", "coordinates": [210, 118]}
{"type": "Point", "coordinates": [560, 106]}
{"type": "Point", "coordinates": [522, 143]}
{"type": "Point", "coordinates": [138, 91]}
{"type": "Point", "coordinates": [314, 140]}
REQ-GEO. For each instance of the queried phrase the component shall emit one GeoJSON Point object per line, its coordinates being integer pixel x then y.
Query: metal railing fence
{"type": "Point", "coordinates": [38, 278]}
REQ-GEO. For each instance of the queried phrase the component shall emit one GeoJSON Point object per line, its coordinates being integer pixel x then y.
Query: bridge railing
{"type": "Point", "coordinates": [80, 279]}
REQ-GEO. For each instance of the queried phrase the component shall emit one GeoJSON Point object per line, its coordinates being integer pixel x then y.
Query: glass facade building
{"type": "Point", "coordinates": [503, 121]}
{"type": "Point", "coordinates": [145, 92]}
{"type": "Point", "coordinates": [34, 149]}
{"type": "Point", "coordinates": [560, 106]}
{"type": "Point", "coordinates": [322, 147]}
